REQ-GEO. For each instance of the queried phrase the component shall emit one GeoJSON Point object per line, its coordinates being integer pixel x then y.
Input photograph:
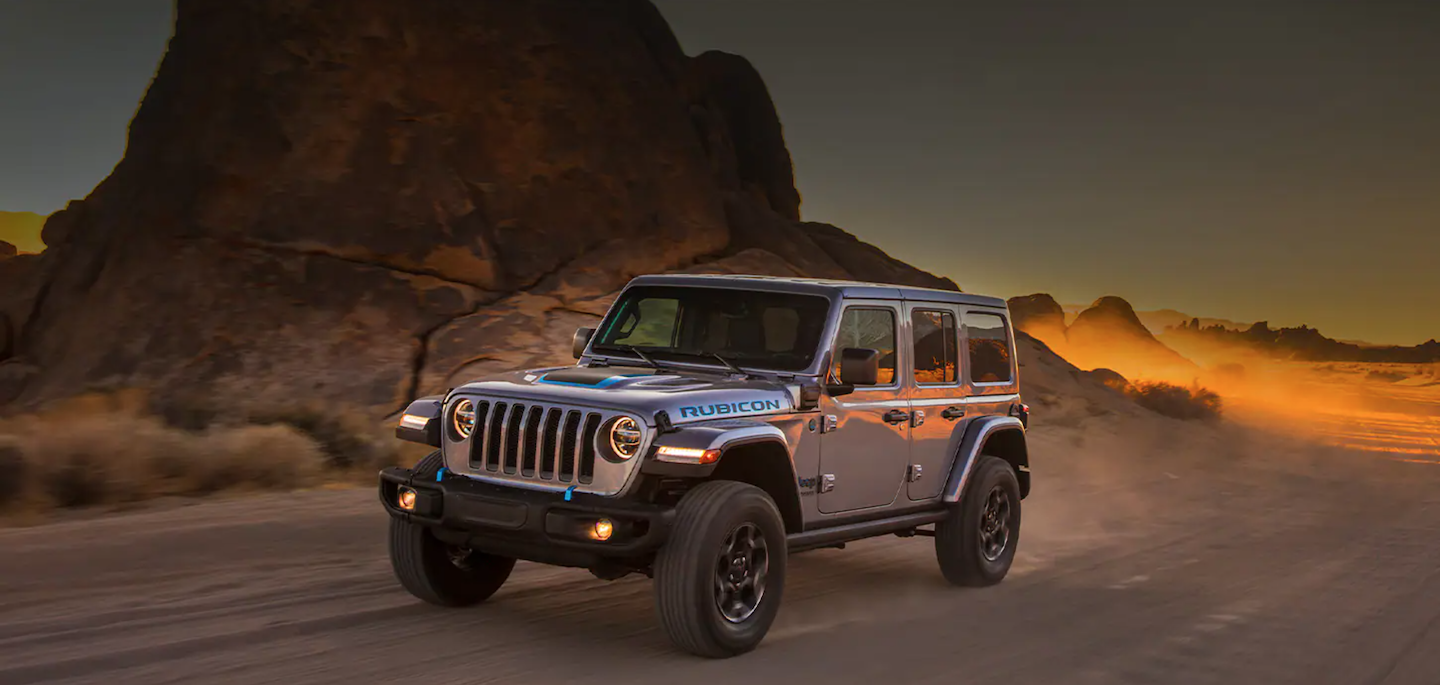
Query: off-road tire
{"type": "Point", "coordinates": [426, 468]}
{"type": "Point", "coordinates": [686, 567]}
{"type": "Point", "coordinates": [425, 567]}
{"type": "Point", "coordinates": [958, 545]}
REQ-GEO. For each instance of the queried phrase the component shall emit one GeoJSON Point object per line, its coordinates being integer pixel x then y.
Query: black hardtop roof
{"type": "Point", "coordinates": [822, 286]}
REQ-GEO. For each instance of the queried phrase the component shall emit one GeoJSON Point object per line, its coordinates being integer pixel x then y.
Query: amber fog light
{"type": "Point", "coordinates": [407, 498]}
{"type": "Point", "coordinates": [602, 530]}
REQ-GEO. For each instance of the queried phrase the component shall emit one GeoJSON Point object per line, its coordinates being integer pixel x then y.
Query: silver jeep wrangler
{"type": "Point", "coordinates": [712, 426]}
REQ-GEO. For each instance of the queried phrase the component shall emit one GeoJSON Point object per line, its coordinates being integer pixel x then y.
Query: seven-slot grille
{"type": "Point", "coordinates": [534, 441]}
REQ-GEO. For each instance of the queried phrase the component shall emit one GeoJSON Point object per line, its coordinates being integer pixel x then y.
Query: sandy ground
{"type": "Point", "coordinates": [1138, 564]}
{"type": "Point", "coordinates": [1390, 410]}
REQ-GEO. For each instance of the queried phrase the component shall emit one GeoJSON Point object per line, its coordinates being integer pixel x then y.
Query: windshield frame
{"type": "Point", "coordinates": [682, 361]}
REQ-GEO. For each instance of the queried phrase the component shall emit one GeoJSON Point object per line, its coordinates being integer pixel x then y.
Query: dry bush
{"type": "Point", "coordinates": [111, 454]}
{"type": "Point", "coordinates": [348, 440]}
{"type": "Point", "coordinates": [1194, 403]}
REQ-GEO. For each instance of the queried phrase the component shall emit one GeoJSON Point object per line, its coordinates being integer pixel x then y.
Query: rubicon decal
{"type": "Point", "coordinates": [728, 408]}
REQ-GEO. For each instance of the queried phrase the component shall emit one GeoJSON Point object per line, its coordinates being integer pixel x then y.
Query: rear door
{"type": "Point", "coordinates": [864, 449]}
{"type": "Point", "coordinates": [937, 399]}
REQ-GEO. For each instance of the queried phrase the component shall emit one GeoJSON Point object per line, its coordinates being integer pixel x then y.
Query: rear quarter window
{"type": "Point", "coordinates": [988, 343]}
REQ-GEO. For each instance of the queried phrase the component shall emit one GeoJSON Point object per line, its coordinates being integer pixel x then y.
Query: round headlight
{"type": "Point", "coordinates": [624, 437]}
{"type": "Point", "coordinates": [462, 418]}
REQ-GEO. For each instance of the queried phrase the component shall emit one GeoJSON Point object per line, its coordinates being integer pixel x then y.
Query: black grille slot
{"type": "Point", "coordinates": [477, 435]}
{"type": "Point", "coordinates": [530, 458]}
{"type": "Point", "coordinates": [514, 430]}
{"type": "Point", "coordinates": [568, 444]}
{"type": "Point", "coordinates": [550, 446]}
{"type": "Point", "coordinates": [494, 433]}
{"type": "Point", "coordinates": [587, 447]}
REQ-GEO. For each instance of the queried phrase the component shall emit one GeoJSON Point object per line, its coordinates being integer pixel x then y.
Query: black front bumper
{"type": "Point", "coordinates": [527, 524]}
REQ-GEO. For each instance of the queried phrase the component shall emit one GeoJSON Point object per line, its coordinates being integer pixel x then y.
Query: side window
{"type": "Point", "coordinates": [989, 348]}
{"type": "Point", "coordinates": [935, 341]}
{"type": "Point", "coordinates": [650, 324]}
{"type": "Point", "coordinates": [872, 328]}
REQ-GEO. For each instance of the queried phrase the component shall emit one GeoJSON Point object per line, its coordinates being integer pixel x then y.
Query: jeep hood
{"type": "Point", "coordinates": [684, 395]}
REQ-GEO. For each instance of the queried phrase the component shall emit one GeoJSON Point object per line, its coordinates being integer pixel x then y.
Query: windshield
{"type": "Point", "coordinates": [756, 329]}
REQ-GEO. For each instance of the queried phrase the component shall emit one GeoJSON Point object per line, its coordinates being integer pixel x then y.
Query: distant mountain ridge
{"type": "Point", "coordinates": [1110, 333]}
{"type": "Point", "coordinates": [1157, 320]}
{"type": "Point", "coordinates": [1303, 343]}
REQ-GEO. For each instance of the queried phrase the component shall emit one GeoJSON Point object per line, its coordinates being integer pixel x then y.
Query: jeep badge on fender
{"type": "Point", "coordinates": [712, 426]}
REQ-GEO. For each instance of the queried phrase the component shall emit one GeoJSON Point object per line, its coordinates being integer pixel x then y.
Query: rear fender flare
{"type": "Point", "coordinates": [971, 446]}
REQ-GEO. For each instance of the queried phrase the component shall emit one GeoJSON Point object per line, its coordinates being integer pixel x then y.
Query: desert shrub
{"type": "Point", "coordinates": [1110, 378]}
{"type": "Point", "coordinates": [1193, 403]}
{"type": "Point", "coordinates": [112, 454]}
{"type": "Point", "coordinates": [245, 457]}
{"type": "Point", "coordinates": [348, 440]}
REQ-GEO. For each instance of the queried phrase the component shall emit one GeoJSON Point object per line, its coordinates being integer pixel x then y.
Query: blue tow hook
{"type": "Point", "coordinates": [569, 493]}
{"type": "Point", "coordinates": [440, 475]}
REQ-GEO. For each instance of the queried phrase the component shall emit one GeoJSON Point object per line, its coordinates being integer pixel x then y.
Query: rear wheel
{"type": "Point", "coordinates": [976, 542]}
{"type": "Point", "coordinates": [719, 578]}
{"type": "Point", "coordinates": [438, 573]}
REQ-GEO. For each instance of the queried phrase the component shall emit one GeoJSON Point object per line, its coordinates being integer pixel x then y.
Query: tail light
{"type": "Point", "coordinates": [1021, 411]}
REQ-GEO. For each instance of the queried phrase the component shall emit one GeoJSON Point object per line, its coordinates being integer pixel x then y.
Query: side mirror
{"type": "Point", "coordinates": [859, 366]}
{"type": "Point", "coordinates": [581, 341]}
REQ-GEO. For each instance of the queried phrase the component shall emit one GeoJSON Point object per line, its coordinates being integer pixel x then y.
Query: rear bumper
{"type": "Point", "coordinates": [527, 524]}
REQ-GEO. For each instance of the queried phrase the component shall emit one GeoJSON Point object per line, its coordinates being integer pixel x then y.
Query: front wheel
{"type": "Point", "coordinates": [976, 542]}
{"type": "Point", "coordinates": [719, 578]}
{"type": "Point", "coordinates": [441, 574]}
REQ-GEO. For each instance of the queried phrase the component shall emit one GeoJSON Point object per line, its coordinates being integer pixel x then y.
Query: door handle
{"type": "Point", "coordinates": [896, 416]}
{"type": "Point", "coordinates": [952, 413]}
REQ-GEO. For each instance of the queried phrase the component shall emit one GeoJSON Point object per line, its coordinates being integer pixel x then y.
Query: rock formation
{"type": "Point", "coordinates": [1039, 315]}
{"type": "Point", "coordinates": [1109, 334]}
{"type": "Point", "coordinates": [359, 202]}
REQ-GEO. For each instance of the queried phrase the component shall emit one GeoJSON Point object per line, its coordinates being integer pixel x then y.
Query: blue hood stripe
{"type": "Point", "coordinates": [602, 384]}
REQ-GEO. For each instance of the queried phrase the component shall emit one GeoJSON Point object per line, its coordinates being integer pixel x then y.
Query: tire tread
{"type": "Point", "coordinates": [679, 562]}
{"type": "Point", "coordinates": [412, 557]}
{"type": "Point", "coordinates": [956, 537]}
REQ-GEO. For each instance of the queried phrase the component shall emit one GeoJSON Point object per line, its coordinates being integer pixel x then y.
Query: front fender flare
{"type": "Point", "coordinates": [420, 422]}
{"type": "Point", "coordinates": [979, 431]}
{"type": "Point", "coordinates": [717, 435]}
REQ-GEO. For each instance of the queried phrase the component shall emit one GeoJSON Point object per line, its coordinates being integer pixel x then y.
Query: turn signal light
{"type": "Point", "coordinates": [407, 498]}
{"type": "Point", "coordinates": [687, 455]}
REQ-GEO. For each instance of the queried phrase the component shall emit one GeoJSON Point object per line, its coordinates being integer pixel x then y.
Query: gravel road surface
{"type": "Point", "coordinates": [1140, 569]}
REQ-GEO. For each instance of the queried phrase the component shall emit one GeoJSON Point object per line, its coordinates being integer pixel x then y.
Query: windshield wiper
{"type": "Point", "coordinates": [729, 364]}
{"type": "Point", "coordinates": [641, 354]}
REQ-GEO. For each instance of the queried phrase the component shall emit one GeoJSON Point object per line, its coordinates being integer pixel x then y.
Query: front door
{"type": "Point", "coordinates": [937, 399]}
{"type": "Point", "coordinates": [865, 447]}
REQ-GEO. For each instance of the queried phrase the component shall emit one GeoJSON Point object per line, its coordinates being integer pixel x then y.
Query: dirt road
{"type": "Point", "coordinates": [1151, 568]}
